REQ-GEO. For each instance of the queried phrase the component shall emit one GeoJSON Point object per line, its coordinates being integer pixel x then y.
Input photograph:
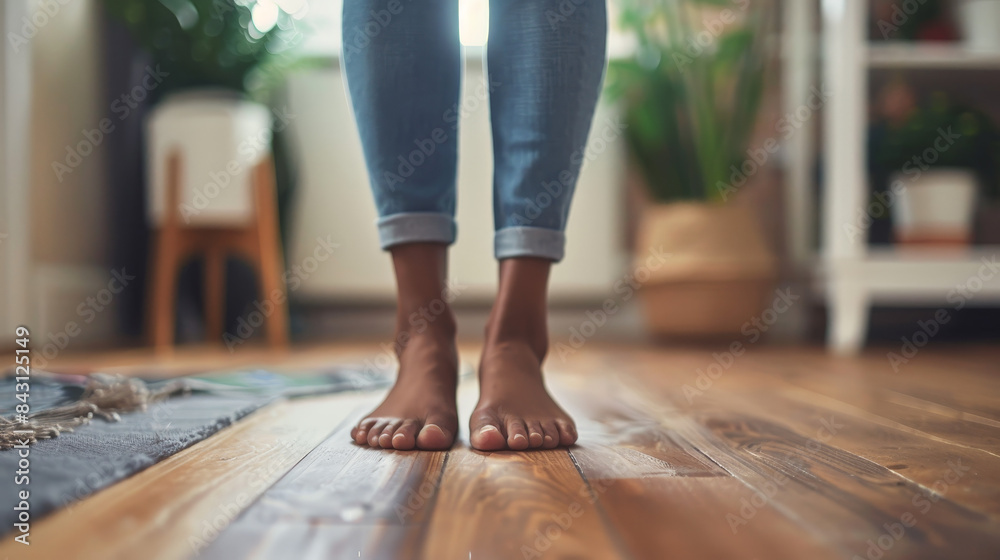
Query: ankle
{"type": "Point", "coordinates": [504, 331]}
{"type": "Point", "coordinates": [433, 319]}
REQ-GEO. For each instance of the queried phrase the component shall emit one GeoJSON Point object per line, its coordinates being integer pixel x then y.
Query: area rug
{"type": "Point", "coordinates": [106, 449]}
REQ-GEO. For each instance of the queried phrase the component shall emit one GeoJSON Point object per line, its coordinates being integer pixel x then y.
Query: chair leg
{"type": "Point", "coordinates": [270, 260]}
{"type": "Point", "coordinates": [166, 261]}
{"type": "Point", "coordinates": [215, 305]}
{"type": "Point", "coordinates": [164, 289]}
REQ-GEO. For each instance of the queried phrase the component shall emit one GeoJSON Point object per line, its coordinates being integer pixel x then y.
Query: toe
{"type": "Point", "coordinates": [385, 438]}
{"type": "Point", "coordinates": [438, 432]}
{"type": "Point", "coordinates": [550, 434]}
{"type": "Point", "coordinates": [434, 437]}
{"type": "Point", "coordinates": [375, 431]}
{"type": "Point", "coordinates": [517, 434]}
{"type": "Point", "coordinates": [361, 431]}
{"type": "Point", "coordinates": [488, 438]}
{"type": "Point", "coordinates": [534, 433]}
{"type": "Point", "coordinates": [567, 432]}
{"type": "Point", "coordinates": [406, 434]}
{"type": "Point", "coordinates": [485, 434]}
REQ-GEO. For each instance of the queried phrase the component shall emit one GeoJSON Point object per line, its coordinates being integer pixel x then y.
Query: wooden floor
{"type": "Point", "coordinates": [778, 453]}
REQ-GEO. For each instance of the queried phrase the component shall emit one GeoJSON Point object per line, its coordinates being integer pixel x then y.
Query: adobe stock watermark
{"type": "Point", "coordinates": [360, 37]}
{"type": "Point", "coordinates": [122, 107]}
{"type": "Point", "coordinates": [611, 131]}
{"type": "Point", "coordinates": [249, 150]}
{"type": "Point", "coordinates": [927, 329]}
{"type": "Point", "coordinates": [624, 289]}
{"type": "Point", "coordinates": [427, 146]}
{"type": "Point", "coordinates": [901, 14]}
{"type": "Point", "coordinates": [103, 468]}
{"type": "Point", "coordinates": [293, 278]}
{"type": "Point", "coordinates": [225, 513]}
{"type": "Point", "coordinates": [87, 310]}
{"type": "Point", "coordinates": [545, 537]}
{"type": "Point", "coordinates": [753, 330]}
{"type": "Point", "coordinates": [563, 12]}
{"type": "Point", "coordinates": [922, 501]}
{"type": "Point", "coordinates": [712, 29]}
{"type": "Point", "coordinates": [416, 499]}
{"type": "Point", "coordinates": [418, 321]}
{"type": "Point", "coordinates": [786, 127]}
{"type": "Point", "coordinates": [762, 498]}
{"type": "Point", "coordinates": [912, 170]}
{"type": "Point", "coordinates": [46, 11]}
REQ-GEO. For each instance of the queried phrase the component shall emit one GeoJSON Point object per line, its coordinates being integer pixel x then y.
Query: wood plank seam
{"type": "Point", "coordinates": [837, 404]}
{"type": "Point", "coordinates": [692, 431]}
{"type": "Point", "coordinates": [165, 501]}
{"type": "Point", "coordinates": [616, 538]}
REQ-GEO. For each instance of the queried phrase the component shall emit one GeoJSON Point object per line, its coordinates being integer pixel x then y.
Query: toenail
{"type": "Point", "coordinates": [488, 428]}
{"type": "Point", "coordinates": [518, 436]}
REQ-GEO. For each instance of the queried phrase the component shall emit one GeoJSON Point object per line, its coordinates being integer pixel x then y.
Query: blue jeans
{"type": "Point", "coordinates": [403, 63]}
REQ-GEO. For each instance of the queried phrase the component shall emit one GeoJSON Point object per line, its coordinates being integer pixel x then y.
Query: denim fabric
{"type": "Point", "coordinates": [545, 62]}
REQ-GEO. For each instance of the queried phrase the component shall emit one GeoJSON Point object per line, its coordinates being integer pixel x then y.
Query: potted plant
{"type": "Point", "coordinates": [938, 157]}
{"type": "Point", "coordinates": [691, 96]}
{"type": "Point", "coordinates": [978, 19]}
{"type": "Point", "coordinates": [207, 49]}
{"type": "Point", "coordinates": [229, 52]}
{"type": "Point", "coordinates": [242, 46]}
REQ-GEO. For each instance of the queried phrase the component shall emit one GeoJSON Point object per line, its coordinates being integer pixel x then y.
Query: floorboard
{"type": "Point", "coordinates": [663, 494]}
{"type": "Point", "coordinates": [178, 506]}
{"type": "Point", "coordinates": [782, 453]}
{"type": "Point", "coordinates": [370, 502]}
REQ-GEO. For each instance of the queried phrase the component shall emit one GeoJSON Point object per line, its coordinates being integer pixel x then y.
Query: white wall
{"type": "Point", "coordinates": [334, 200]}
{"type": "Point", "coordinates": [69, 214]}
{"type": "Point", "coordinates": [15, 104]}
{"type": "Point", "coordinates": [69, 220]}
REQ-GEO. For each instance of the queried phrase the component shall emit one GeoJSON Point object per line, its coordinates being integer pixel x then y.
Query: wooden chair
{"type": "Point", "coordinates": [258, 242]}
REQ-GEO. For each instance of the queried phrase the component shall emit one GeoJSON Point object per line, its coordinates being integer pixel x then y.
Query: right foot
{"type": "Point", "coordinates": [419, 411]}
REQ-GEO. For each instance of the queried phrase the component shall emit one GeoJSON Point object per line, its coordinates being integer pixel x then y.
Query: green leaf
{"type": "Point", "coordinates": [692, 115]}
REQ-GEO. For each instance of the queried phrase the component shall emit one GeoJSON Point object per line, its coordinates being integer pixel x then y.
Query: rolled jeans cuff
{"type": "Point", "coordinates": [416, 227]}
{"type": "Point", "coordinates": [529, 242]}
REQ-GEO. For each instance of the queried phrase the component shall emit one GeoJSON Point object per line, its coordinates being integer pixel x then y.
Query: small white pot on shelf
{"type": "Point", "coordinates": [979, 20]}
{"type": "Point", "coordinates": [935, 208]}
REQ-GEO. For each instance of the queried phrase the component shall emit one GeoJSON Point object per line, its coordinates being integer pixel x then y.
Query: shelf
{"type": "Point", "coordinates": [932, 275]}
{"type": "Point", "coordinates": [945, 255]}
{"type": "Point", "coordinates": [935, 56]}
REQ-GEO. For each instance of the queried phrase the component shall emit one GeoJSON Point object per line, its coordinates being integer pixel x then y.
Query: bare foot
{"type": "Point", "coordinates": [419, 411]}
{"type": "Point", "coordinates": [515, 411]}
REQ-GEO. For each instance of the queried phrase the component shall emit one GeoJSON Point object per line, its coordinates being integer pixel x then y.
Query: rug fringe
{"type": "Point", "coordinates": [105, 395]}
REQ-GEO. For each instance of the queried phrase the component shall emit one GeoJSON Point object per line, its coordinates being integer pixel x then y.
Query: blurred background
{"type": "Point", "coordinates": [758, 170]}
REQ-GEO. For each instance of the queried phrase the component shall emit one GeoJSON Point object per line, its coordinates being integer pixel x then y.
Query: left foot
{"type": "Point", "coordinates": [515, 411]}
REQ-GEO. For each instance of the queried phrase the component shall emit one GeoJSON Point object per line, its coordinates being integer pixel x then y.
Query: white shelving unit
{"type": "Point", "coordinates": [855, 275]}
{"type": "Point", "coordinates": [930, 56]}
